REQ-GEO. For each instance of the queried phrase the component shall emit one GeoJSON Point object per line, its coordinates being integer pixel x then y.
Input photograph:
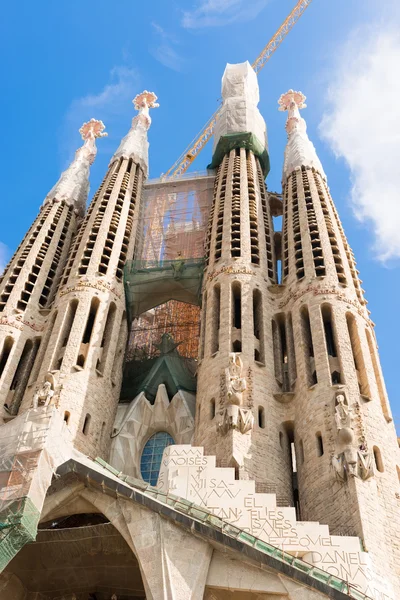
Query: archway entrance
{"type": "Point", "coordinates": [80, 556]}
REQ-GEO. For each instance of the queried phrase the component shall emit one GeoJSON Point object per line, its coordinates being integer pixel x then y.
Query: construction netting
{"type": "Point", "coordinates": [163, 283]}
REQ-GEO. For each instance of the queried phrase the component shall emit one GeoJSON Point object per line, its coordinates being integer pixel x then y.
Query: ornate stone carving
{"type": "Point", "coordinates": [299, 150]}
{"type": "Point", "coordinates": [342, 412]}
{"type": "Point", "coordinates": [352, 459]}
{"type": "Point", "coordinates": [44, 394]}
{"type": "Point", "coordinates": [235, 415]}
{"type": "Point", "coordinates": [235, 383]}
{"type": "Point", "coordinates": [134, 144]}
{"type": "Point", "coordinates": [73, 185]}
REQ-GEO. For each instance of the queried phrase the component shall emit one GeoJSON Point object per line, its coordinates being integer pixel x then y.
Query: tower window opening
{"type": "Point", "coordinates": [212, 408]}
{"type": "Point", "coordinates": [5, 353]}
{"type": "Point", "coordinates": [358, 356]}
{"type": "Point", "coordinates": [237, 346]}
{"type": "Point", "coordinates": [21, 376]}
{"type": "Point", "coordinates": [258, 325]}
{"type": "Point", "coordinates": [237, 305]}
{"type": "Point", "coordinates": [378, 377]}
{"type": "Point", "coordinates": [67, 415]}
{"type": "Point", "coordinates": [283, 355]}
{"type": "Point", "coordinates": [216, 318]}
{"type": "Point", "coordinates": [288, 444]}
{"type": "Point", "coordinates": [64, 335]}
{"type": "Point", "coordinates": [308, 346]}
{"type": "Point", "coordinates": [107, 337]}
{"type": "Point", "coordinates": [378, 459]}
{"type": "Point", "coordinates": [320, 444]}
{"type": "Point", "coordinates": [86, 424]}
{"type": "Point", "coordinates": [261, 417]}
{"type": "Point", "coordinates": [203, 320]}
{"type": "Point", "coordinates": [326, 311]}
{"type": "Point", "coordinates": [267, 221]}
{"type": "Point", "coordinates": [123, 330]}
{"type": "Point", "coordinates": [235, 205]}
{"type": "Point", "coordinates": [87, 334]}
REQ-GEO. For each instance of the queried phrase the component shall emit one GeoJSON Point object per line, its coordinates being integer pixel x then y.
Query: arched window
{"type": "Point", "coordinates": [212, 408]}
{"type": "Point", "coordinates": [378, 459]}
{"type": "Point", "coordinates": [150, 462]}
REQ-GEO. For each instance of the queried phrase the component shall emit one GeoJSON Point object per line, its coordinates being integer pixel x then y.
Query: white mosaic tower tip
{"type": "Point", "coordinates": [73, 185]}
{"type": "Point", "coordinates": [299, 151]}
{"type": "Point", "coordinates": [135, 145]}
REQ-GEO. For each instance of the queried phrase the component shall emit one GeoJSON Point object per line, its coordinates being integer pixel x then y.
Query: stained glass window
{"type": "Point", "coordinates": [150, 462]}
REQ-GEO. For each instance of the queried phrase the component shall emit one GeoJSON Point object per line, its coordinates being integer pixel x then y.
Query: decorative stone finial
{"type": "Point", "coordinates": [300, 150]}
{"type": "Point", "coordinates": [73, 185]}
{"type": "Point", "coordinates": [93, 129]}
{"type": "Point", "coordinates": [135, 145]}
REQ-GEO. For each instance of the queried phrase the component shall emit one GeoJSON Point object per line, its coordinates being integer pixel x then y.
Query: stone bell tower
{"type": "Point", "coordinates": [29, 283]}
{"type": "Point", "coordinates": [238, 418]}
{"type": "Point", "coordinates": [88, 332]}
{"type": "Point", "coordinates": [348, 462]}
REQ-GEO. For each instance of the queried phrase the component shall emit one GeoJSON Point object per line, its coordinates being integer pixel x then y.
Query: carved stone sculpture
{"type": "Point", "coordinates": [235, 415]}
{"type": "Point", "coordinates": [350, 460]}
{"type": "Point", "coordinates": [235, 383]}
{"type": "Point", "coordinates": [44, 394]}
{"type": "Point", "coordinates": [342, 412]}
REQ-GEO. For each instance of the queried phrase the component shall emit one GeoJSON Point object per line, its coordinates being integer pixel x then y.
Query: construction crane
{"type": "Point", "coordinates": [197, 145]}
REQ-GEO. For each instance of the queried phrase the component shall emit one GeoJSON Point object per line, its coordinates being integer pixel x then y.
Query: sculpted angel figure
{"type": "Point", "coordinates": [235, 383]}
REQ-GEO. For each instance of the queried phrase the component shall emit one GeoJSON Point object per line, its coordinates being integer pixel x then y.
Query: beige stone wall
{"type": "Point", "coordinates": [370, 509]}
{"type": "Point", "coordinates": [88, 370]}
{"type": "Point", "coordinates": [261, 454]}
{"type": "Point", "coordinates": [27, 289]}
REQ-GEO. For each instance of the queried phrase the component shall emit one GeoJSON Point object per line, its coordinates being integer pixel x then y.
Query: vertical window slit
{"type": "Point", "coordinates": [107, 338]}
{"type": "Point", "coordinates": [308, 346]}
{"type": "Point", "coordinates": [216, 309]}
{"type": "Point", "coordinates": [358, 356]}
{"type": "Point", "coordinates": [87, 334]}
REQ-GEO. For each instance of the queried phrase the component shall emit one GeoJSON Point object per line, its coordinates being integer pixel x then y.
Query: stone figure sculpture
{"type": "Point", "coordinates": [350, 460]}
{"type": "Point", "coordinates": [235, 383]}
{"type": "Point", "coordinates": [342, 412]}
{"type": "Point", "coordinates": [235, 416]}
{"type": "Point", "coordinates": [44, 394]}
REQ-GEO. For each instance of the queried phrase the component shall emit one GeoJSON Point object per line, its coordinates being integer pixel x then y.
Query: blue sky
{"type": "Point", "coordinates": [65, 62]}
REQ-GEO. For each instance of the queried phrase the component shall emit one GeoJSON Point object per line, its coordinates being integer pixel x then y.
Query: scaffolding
{"type": "Point", "coordinates": [169, 253]}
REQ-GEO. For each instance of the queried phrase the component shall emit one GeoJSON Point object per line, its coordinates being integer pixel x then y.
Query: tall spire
{"type": "Point", "coordinates": [135, 145]}
{"type": "Point", "coordinates": [299, 149]}
{"type": "Point", "coordinates": [239, 123]}
{"type": "Point", "coordinates": [73, 185]}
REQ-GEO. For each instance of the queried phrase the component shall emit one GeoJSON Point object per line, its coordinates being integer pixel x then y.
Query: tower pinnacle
{"type": "Point", "coordinates": [73, 185]}
{"type": "Point", "coordinates": [134, 144]}
{"type": "Point", "coordinates": [299, 150]}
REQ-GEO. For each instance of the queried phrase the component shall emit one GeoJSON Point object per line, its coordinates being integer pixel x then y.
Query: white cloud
{"type": "Point", "coordinates": [215, 13]}
{"type": "Point", "coordinates": [361, 124]}
{"type": "Point", "coordinates": [112, 105]}
{"type": "Point", "coordinates": [164, 50]}
{"type": "Point", "coordinates": [4, 254]}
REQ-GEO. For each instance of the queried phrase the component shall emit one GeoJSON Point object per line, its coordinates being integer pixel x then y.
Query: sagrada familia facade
{"type": "Point", "coordinates": [271, 471]}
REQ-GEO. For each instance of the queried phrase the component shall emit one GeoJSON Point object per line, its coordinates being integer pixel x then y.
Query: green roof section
{"type": "Point", "coordinates": [169, 368]}
{"type": "Point", "coordinates": [18, 526]}
{"type": "Point", "coordinates": [247, 140]}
